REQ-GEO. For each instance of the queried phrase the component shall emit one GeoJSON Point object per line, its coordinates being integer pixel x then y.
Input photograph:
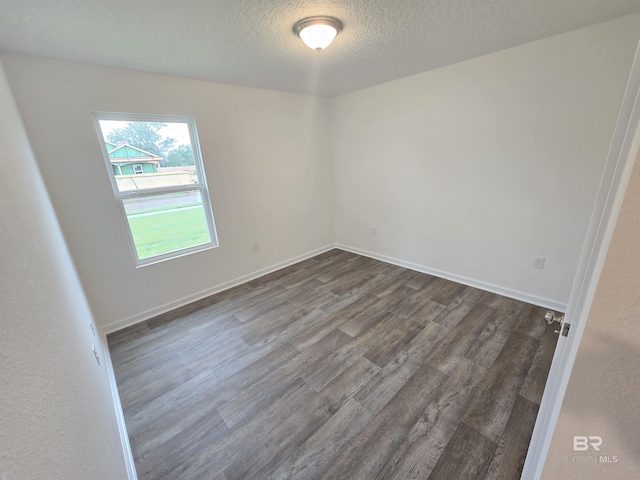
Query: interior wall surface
{"type": "Point", "coordinates": [473, 170]}
{"type": "Point", "coordinates": [57, 419]}
{"type": "Point", "coordinates": [266, 156]}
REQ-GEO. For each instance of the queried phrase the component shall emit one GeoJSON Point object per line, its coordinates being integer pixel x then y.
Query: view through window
{"type": "Point", "coordinates": [155, 167]}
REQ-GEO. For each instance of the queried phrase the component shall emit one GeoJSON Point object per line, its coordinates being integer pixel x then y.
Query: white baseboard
{"type": "Point", "coordinates": [167, 307]}
{"type": "Point", "coordinates": [115, 397]}
{"type": "Point", "coordinates": [506, 292]}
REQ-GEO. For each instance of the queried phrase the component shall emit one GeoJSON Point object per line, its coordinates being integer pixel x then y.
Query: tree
{"type": "Point", "coordinates": [143, 135]}
{"type": "Point", "coordinates": [182, 155]}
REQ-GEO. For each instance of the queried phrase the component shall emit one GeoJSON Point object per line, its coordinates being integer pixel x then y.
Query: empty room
{"type": "Point", "coordinates": [319, 240]}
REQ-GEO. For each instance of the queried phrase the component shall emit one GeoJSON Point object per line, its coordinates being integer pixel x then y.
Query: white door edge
{"type": "Point", "coordinates": [613, 184]}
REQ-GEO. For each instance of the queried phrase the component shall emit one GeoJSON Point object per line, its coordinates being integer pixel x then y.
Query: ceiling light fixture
{"type": "Point", "coordinates": [317, 32]}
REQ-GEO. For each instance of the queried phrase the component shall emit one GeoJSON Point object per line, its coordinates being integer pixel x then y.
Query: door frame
{"type": "Point", "coordinates": [613, 184]}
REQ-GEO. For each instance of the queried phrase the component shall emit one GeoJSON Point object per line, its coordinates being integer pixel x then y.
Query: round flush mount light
{"type": "Point", "coordinates": [317, 32]}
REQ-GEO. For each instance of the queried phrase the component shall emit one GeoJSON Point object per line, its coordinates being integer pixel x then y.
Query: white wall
{"type": "Point", "coordinates": [468, 171]}
{"type": "Point", "coordinates": [57, 419]}
{"type": "Point", "coordinates": [476, 168]}
{"type": "Point", "coordinates": [266, 155]}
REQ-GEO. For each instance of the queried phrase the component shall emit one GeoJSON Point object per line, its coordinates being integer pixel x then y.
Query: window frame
{"type": "Point", "coordinates": [201, 186]}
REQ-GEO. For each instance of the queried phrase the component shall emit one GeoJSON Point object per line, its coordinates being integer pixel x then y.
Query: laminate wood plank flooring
{"type": "Point", "coordinates": [337, 367]}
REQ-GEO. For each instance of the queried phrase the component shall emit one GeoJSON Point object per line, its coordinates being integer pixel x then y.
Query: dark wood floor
{"type": "Point", "coordinates": [338, 367]}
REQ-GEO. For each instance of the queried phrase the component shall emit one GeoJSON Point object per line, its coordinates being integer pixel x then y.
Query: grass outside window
{"type": "Point", "coordinates": [165, 230]}
{"type": "Point", "coordinates": [165, 200]}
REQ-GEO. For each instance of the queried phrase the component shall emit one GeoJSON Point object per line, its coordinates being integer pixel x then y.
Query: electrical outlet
{"type": "Point", "coordinates": [256, 246]}
{"type": "Point", "coordinates": [374, 231]}
{"type": "Point", "coordinates": [538, 262]}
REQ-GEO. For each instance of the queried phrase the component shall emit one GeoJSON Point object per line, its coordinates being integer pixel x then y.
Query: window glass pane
{"type": "Point", "coordinates": [164, 223]}
{"type": "Point", "coordinates": [146, 155]}
{"type": "Point", "coordinates": [158, 178]}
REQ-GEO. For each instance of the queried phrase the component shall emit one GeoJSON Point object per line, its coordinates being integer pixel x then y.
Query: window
{"type": "Point", "coordinates": [167, 210]}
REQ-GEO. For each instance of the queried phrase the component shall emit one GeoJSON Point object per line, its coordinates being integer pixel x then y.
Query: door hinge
{"type": "Point", "coordinates": [564, 330]}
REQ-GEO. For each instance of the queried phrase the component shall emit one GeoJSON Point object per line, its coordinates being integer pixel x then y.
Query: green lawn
{"type": "Point", "coordinates": [169, 231]}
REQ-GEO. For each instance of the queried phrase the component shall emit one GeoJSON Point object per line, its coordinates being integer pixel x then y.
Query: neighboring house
{"type": "Point", "coordinates": [129, 160]}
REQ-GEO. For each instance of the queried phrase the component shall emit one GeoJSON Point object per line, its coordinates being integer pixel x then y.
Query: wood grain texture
{"type": "Point", "coordinates": [339, 366]}
{"type": "Point", "coordinates": [421, 448]}
{"type": "Point", "coordinates": [534, 384]}
{"type": "Point", "coordinates": [316, 455]}
{"type": "Point", "coordinates": [467, 455]}
{"type": "Point", "coordinates": [514, 441]}
{"type": "Point", "coordinates": [461, 338]}
{"type": "Point", "coordinates": [383, 435]}
{"type": "Point", "coordinates": [528, 322]}
{"type": "Point", "coordinates": [492, 407]}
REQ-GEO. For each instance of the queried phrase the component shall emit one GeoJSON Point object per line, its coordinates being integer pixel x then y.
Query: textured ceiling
{"type": "Point", "coordinates": [251, 42]}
